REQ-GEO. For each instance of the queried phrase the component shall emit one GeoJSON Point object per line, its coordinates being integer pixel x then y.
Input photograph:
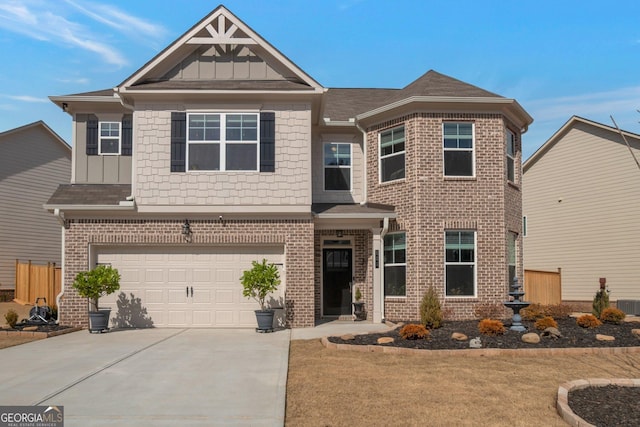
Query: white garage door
{"type": "Point", "coordinates": [186, 286]}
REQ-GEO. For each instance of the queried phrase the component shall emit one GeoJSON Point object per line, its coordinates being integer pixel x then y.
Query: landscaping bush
{"type": "Point", "coordinates": [612, 315]}
{"type": "Point", "coordinates": [545, 322]}
{"type": "Point", "coordinates": [600, 302]}
{"type": "Point", "coordinates": [533, 312]}
{"type": "Point", "coordinates": [559, 311]}
{"type": "Point", "coordinates": [588, 321]}
{"type": "Point", "coordinates": [489, 311]}
{"type": "Point", "coordinates": [491, 327]}
{"type": "Point", "coordinates": [430, 309]}
{"type": "Point", "coordinates": [11, 317]}
{"type": "Point", "coordinates": [414, 332]}
{"type": "Point", "coordinates": [538, 311]}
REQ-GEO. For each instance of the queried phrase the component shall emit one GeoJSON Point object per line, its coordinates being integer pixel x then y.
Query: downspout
{"type": "Point", "coordinates": [128, 106]}
{"type": "Point", "coordinates": [60, 217]}
{"type": "Point", "coordinates": [385, 229]}
{"type": "Point", "coordinates": [364, 164]}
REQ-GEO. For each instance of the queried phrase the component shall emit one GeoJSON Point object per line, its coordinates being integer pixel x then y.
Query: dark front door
{"type": "Point", "coordinates": [337, 277]}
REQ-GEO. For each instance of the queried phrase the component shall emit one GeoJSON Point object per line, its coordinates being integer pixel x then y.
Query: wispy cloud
{"type": "Point", "coordinates": [26, 98]}
{"type": "Point", "coordinates": [76, 81]}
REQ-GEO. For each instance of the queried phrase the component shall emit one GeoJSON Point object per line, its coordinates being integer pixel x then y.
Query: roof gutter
{"type": "Point", "coordinates": [123, 206]}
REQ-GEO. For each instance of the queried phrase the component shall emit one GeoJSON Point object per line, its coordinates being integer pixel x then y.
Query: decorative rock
{"type": "Point", "coordinates": [385, 340]}
{"type": "Point", "coordinates": [348, 337]}
{"type": "Point", "coordinates": [475, 343]}
{"type": "Point", "coordinates": [458, 336]}
{"type": "Point", "coordinates": [531, 338]}
{"type": "Point", "coordinates": [636, 332]}
{"type": "Point", "coordinates": [552, 333]}
{"type": "Point", "coordinates": [601, 337]}
{"type": "Point", "coordinates": [30, 328]}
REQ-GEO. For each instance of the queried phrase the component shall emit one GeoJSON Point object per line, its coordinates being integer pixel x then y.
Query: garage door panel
{"type": "Point", "coordinates": [160, 276]}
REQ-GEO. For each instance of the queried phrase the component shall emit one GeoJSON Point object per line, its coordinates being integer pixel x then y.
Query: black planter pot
{"type": "Point", "coordinates": [99, 320]}
{"type": "Point", "coordinates": [265, 320]}
{"type": "Point", "coordinates": [358, 310]}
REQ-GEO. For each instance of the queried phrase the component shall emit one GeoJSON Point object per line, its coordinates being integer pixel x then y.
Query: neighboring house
{"type": "Point", "coordinates": [581, 201]}
{"type": "Point", "coordinates": [34, 160]}
{"type": "Point", "coordinates": [386, 190]}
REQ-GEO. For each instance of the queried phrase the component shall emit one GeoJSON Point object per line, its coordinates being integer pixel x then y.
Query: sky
{"type": "Point", "coordinates": [556, 58]}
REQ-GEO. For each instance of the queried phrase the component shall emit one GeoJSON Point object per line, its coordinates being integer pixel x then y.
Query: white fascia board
{"type": "Point", "coordinates": [236, 92]}
{"type": "Point", "coordinates": [226, 209]}
{"type": "Point", "coordinates": [344, 123]}
{"type": "Point", "coordinates": [94, 98]}
{"type": "Point", "coordinates": [66, 208]}
{"type": "Point", "coordinates": [356, 215]}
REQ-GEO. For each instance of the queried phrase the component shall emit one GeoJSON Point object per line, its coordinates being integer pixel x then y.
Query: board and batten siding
{"type": "Point", "coordinates": [32, 165]}
{"type": "Point", "coordinates": [582, 203]}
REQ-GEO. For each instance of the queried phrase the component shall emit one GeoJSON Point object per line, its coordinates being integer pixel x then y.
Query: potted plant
{"type": "Point", "coordinates": [358, 306]}
{"type": "Point", "coordinates": [93, 284]}
{"type": "Point", "coordinates": [258, 282]}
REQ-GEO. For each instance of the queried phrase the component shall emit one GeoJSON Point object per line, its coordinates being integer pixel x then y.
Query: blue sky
{"type": "Point", "coordinates": [557, 58]}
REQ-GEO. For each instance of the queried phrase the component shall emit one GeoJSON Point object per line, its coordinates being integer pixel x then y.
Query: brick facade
{"type": "Point", "coordinates": [295, 235]}
{"type": "Point", "coordinates": [428, 203]}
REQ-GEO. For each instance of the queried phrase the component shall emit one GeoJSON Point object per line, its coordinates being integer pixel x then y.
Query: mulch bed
{"type": "Point", "coordinates": [601, 406]}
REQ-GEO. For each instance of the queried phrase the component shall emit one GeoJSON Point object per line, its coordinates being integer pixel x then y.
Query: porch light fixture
{"type": "Point", "coordinates": [186, 231]}
{"type": "Point", "coordinates": [339, 233]}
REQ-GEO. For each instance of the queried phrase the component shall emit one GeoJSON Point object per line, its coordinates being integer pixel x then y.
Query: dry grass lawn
{"type": "Point", "coordinates": [14, 339]}
{"type": "Point", "coordinates": [344, 388]}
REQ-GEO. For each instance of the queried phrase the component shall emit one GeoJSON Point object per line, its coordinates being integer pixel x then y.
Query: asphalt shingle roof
{"type": "Point", "coordinates": [90, 194]}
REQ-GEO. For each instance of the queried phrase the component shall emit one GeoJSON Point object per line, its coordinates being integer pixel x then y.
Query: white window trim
{"type": "Point", "coordinates": [474, 263]}
{"type": "Point", "coordinates": [381, 157]}
{"type": "Point", "coordinates": [222, 142]}
{"type": "Point", "coordinates": [100, 137]}
{"type": "Point", "coordinates": [473, 151]}
{"type": "Point", "coordinates": [511, 157]}
{"type": "Point", "coordinates": [385, 265]}
{"type": "Point", "coordinates": [350, 167]}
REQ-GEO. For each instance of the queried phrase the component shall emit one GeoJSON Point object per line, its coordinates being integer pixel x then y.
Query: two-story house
{"type": "Point", "coordinates": [220, 151]}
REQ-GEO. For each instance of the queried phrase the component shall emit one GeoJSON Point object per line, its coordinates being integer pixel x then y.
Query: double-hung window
{"type": "Point", "coordinates": [222, 141]}
{"type": "Point", "coordinates": [511, 156]}
{"type": "Point", "coordinates": [337, 166]}
{"type": "Point", "coordinates": [109, 138]}
{"type": "Point", "coordinates": [460, 263]}
{"type": "Point", "coordinates": [395, 264]}
{"type": "Point", "coordinates": [392, 152]}
{"type": "Point", "coordinates": [458, 149]}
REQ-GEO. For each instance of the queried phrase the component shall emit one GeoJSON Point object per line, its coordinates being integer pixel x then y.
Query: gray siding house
{"type": "Point", "coordinates": [34, 160]}
{"type": "Point", "coordinates": [581, 200]}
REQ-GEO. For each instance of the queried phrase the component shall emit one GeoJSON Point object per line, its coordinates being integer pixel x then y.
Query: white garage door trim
{"type": "Point", "coordinates": [186, 286]}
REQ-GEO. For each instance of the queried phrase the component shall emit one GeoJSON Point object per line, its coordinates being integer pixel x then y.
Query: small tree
{"type": "Point", "coordinates": [600, 302]}
{"type": "Point", "coordinates": [430, 309]}
{"type": "Point", "coordinates": [261, 280]}
{"type": "Point", "coordinates": [93, 284]}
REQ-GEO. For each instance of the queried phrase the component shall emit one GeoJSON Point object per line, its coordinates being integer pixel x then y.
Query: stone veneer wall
{"type": "Point", "coordinates": [295, 235]}
{"type": "Point", "coordinates": [427, 204]}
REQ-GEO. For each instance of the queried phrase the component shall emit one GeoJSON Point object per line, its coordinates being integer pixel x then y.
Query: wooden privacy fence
{"type": "Point", "coordinates": [34, 281]}
{"type": "Point", "coordinates": [543, 287]}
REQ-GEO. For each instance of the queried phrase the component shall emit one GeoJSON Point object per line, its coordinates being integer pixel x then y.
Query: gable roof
{"type": "Point", "coordinates": [557, 136]}
{"type": "Point", "coordinates": [219, 28]}
{"type": "Point", "coordinates": [39, 123]}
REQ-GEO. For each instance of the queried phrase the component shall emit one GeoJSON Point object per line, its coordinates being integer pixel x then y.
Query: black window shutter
{"type": "Point", "coordinates": [267, 142]}
{"type": "Point", "coordinates": [92, 135]}
{"type": "Point", "coordinates": [178, 141]}
{"type": "Point", "coordinates": [127, 135]}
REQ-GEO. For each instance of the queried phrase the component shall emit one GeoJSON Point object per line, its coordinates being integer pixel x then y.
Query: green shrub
{"type": "Point", "coordinates": [600, 302]}
{"type": "Point", "coordinates": [93, 284]}
{"type": "Point", "coordinates": [491, 327]}
{"type": "Point", "coordinates": [544, 323]}
{"type": "Point", "coordinates": [612, 315]}
{"type": "Point", "coordinates": [430, 309]}
{"type": "Point", "coordinates": [414, 332]}
{"type": "Point", "coordinates": [11, 317]}
{"type": "Point", "coordinates": [588, 321]}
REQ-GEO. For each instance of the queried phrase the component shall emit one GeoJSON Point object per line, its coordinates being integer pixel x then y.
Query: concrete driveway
{"type": "Point", "coordinates": [159, 377]}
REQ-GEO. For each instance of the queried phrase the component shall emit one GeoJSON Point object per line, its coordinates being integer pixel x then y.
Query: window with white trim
{"type": "Point", "coordinates": [511, 156]}
{"type": "Point", "coordinates": [395, 265]}
{"type": "Point", "coordinates": [222, 141]}
{"type": "Point", "coordinates": [460, 263]}
{"type": "Point", "coordinates": [109, 138]}
{"type": "Point", "coordinates": [458, 149]}
{"type": "Point", "coordinates": [392, 154]}
{"type": "Point", "coordinates": [337, 166]}
{"type": "Point", "coordinates": [512, 255]}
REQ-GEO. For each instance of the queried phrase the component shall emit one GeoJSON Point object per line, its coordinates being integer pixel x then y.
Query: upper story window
{"type": "Point", "coordinates": [460, 263]}
{"type": "Point", "coordinates": [392, 154]}
{"type": "Point", "coordinates": [395, 264]}
{"type": "Point", "coordinates": [337, 166]}
{"type": "Point", "coordinates": [511, 156]}
{"type": "Point", "coordinates": [109, 138]}
{"type": "Point", "coordinates": [458, 149]}
{"type": "Point", "coordinates": [222, 141]}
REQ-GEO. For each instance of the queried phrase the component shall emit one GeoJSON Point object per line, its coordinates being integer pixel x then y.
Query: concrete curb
{"type": "Point", "coordinates": [39, 335]}
{"type": "Point", "coordinates": [562, 404]}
